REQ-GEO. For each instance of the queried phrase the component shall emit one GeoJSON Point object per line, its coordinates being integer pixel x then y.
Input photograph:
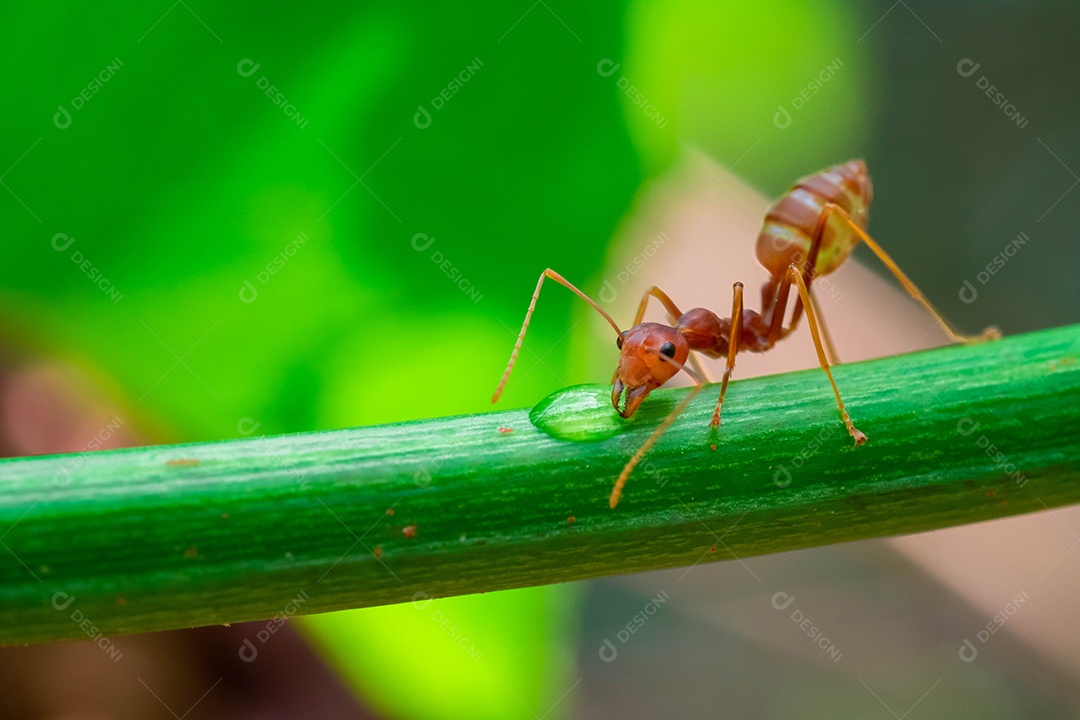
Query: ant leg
{"type": "Point", "coordinates": [733, 348]}
{"type": "Point", "coordinates": [809, 265]}
{"type": "Point", "coordinates": [779, 307]}
{"type": "Point", "coordinates": [990, 333]}
{"type": "Point", "coordinates": [793, 275]}
{"type": "Point", "coordinates": [808, 278]}
{"type": "Point", "coordinates": [616, 491]}
{"type": "Point", "coordinates": [549, 273]}
{"type": "Point", "coordinates": [674, 313]}
{"type": "Point", "coordinates": [778, 331]}
{"type": "Point", "coordinates": [826, 336]}
{"type": "Point", "coordinates": [668, 303]}
{"type": "Point", "coordinates": [699, 368]}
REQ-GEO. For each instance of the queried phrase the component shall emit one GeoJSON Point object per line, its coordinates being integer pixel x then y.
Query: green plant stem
{"type": "Point", "coordinates": [175, 536]}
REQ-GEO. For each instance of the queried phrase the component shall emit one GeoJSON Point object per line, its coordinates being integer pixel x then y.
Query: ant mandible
{"type": "Point", "coordinates": [808, 233]}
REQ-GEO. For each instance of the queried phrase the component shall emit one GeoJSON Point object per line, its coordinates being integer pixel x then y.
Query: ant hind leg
{"type": "Point", "coordinates": [990, 333]}
{"type": "Point", "coordinates": [826, 336]}
{"type": "Point", "coordinates": [793, 275]}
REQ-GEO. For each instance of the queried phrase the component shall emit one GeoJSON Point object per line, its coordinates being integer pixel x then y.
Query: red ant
{"type": "Point", "coordinates": [808, 233]}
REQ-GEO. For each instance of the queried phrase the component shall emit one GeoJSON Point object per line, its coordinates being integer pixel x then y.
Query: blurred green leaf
{"type": "Point", "coordinates": [259, 248]}
{"type": "Point", "coordinates": [460, 657]}
{"type": "Point", "coordinates": [718, 83]}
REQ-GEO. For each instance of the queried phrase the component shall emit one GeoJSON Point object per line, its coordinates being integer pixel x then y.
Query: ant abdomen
{"type": "Point", "coordinates": [790, 223]}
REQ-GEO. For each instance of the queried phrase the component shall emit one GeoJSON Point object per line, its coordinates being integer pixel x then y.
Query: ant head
{"type": "Point", "coordinates": [651, 354]}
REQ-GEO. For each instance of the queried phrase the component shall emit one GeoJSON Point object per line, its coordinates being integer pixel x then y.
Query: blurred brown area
{"type": "Point", "coordinates": [184, 674]}
{"type": "Point", "coordinates": [48, 406]}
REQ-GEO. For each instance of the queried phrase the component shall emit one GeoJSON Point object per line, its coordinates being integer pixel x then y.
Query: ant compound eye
{"type": "Point", "coordinates": [618, 341]}
{"type": "Point", "coordinates": [668, 349]}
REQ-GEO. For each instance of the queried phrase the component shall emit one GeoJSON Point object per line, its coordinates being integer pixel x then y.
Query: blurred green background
{"type": "Point", "coordinates": [278, 218]}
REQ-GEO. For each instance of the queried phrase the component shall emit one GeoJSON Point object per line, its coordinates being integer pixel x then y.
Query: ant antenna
{"type": "Point", "coordinates": [549, 273]}
{"type": "Point", "coordinates": [616, 492]}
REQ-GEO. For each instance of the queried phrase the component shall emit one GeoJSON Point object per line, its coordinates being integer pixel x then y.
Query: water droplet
{"type": "Point", "coordinates": [581, 412]}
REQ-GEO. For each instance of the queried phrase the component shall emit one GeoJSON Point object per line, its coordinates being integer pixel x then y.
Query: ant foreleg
{"type": "Point", "coordinates": [674, 313]}
{"type": "Point", "coordinates": [616, 491]}
{"type": "Point", "coordinates": [793, 275]}
{"type": "Point", "coordinates": [549, 273]}
{"type": "Point", "coordinates": [733, 347]}
{"type": "Point", "coordinates": [673, 310]}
